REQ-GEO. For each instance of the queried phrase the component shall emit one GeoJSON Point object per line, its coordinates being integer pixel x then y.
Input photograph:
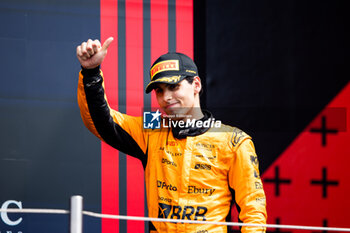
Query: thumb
{"type": "Point", "coordinates": [107, 43]}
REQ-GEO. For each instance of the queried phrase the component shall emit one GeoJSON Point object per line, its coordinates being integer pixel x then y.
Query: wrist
{"type": "Point", "coordinates": [91, 71]}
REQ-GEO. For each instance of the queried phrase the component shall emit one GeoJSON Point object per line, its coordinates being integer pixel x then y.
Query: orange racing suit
{"type": "Point", "coordinates": [193, 175]}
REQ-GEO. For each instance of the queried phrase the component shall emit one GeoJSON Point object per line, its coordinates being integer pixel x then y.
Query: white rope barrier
{"type": "Point", "coordinates": [35, 211]}
{"type": "Point", "coordinates": [134, 218]}
{"type": "Point", "coordinates": [77, 213]}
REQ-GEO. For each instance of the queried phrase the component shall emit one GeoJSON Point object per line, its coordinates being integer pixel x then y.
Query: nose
{"type": "Point", "coordinates": [167, 95]}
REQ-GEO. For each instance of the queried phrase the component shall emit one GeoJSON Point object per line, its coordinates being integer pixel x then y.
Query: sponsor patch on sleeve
{"type": "Point", "coordinates": [237, 136]}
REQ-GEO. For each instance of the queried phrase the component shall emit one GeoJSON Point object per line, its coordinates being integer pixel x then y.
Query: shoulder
{"type": "Point", "coordinates": [235, 135]}
{"type": "Point", "coordinates": [127, 121]}
{"type": "Point", "coordinates": [238, 136]}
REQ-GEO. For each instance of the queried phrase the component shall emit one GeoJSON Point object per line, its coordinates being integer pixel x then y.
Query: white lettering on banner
{"type": "Point", "coordinates": [209, 123]}
{"type": "Point", "coordinates": [4, 215]}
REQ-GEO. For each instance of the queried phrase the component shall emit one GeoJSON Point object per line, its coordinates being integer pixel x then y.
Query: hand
{"type": "Point", "coordinates": [90, 54]}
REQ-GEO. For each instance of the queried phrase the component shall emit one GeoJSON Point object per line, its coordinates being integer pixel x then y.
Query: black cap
{"type": "Point", "coordinates": [171, 68]}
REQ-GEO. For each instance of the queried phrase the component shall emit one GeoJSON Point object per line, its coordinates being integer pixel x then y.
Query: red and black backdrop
{"type": "Point", "coordinates": [276, 69]}
{"type": "Point", "coordinates": [143, 30]}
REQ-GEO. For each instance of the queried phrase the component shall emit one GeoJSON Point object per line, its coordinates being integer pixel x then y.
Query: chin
{"type": "Point", "coordinates": [178, 113]}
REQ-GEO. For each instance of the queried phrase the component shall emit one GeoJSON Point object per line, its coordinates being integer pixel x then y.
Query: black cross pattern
{"type": "Point", "coordinates": [324, 182]}
{"type": "Point", "coordinates": [324, 131]}
{"type": "Point", "coordinates": [277, 230]}
{"type": "Point", "coordinates": [325, 224]}
{"type": "Point", "coordinates": [277, 181]}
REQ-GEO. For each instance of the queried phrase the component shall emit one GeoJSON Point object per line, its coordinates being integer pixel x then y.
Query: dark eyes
{"type": "Point", "coordinates": [158, 90]}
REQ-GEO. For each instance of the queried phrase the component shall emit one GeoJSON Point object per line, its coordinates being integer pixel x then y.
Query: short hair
{"type": "Point", "coordinates": [190, 80]}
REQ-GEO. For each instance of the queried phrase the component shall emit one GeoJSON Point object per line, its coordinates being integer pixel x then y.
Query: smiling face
{"type": "Point", "coordinates": [181, 100]}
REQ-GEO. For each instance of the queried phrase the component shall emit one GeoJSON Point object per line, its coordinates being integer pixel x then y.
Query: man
{"type": "Point", "coordinates": [195, 167]}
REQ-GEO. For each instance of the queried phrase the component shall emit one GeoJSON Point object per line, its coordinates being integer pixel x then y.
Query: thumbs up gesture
{"type": "Point", "coordinates": [91, 54]}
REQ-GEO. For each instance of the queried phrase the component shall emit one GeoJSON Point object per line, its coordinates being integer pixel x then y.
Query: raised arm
{"type": "Point", "coordinates": [119, 130]}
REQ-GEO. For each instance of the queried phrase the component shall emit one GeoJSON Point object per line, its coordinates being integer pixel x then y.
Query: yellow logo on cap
{"type": "Point", "coordinates": [172, 79]}
{"type": "Point", "coordinates": [164, 66]}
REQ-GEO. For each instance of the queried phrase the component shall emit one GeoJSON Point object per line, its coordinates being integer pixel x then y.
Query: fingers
{"type": "Point", "coordinates": [91, 54]}
{"type": "Point", "coordinates": [79, 53]}
{"type": "Point", "coordinates": [88, 49]}
{"type": "Point", "coordinates": [82, 53]}
{"type": "Point", "coordinates": [96, 45]}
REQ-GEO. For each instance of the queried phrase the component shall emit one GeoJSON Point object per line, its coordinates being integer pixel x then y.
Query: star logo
{"type": "Point", "coordinates": [151, 120]}
{"type": "Point", "coordinates": [156, 115]}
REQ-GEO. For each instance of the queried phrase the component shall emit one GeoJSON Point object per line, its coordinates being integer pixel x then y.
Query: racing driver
{"type": "Point", "coordinates": [195, 167]}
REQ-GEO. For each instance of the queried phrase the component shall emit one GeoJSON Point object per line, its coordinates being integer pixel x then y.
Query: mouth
{"type": "Point", "coordinates": [172, 105]}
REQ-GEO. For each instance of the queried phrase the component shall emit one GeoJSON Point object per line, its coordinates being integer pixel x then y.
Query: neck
{"type": "Point", "coordinates": [196, 111]}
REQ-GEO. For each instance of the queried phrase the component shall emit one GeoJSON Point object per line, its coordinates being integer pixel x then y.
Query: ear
{"type": "Point", "coordinates": [197, 84]}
